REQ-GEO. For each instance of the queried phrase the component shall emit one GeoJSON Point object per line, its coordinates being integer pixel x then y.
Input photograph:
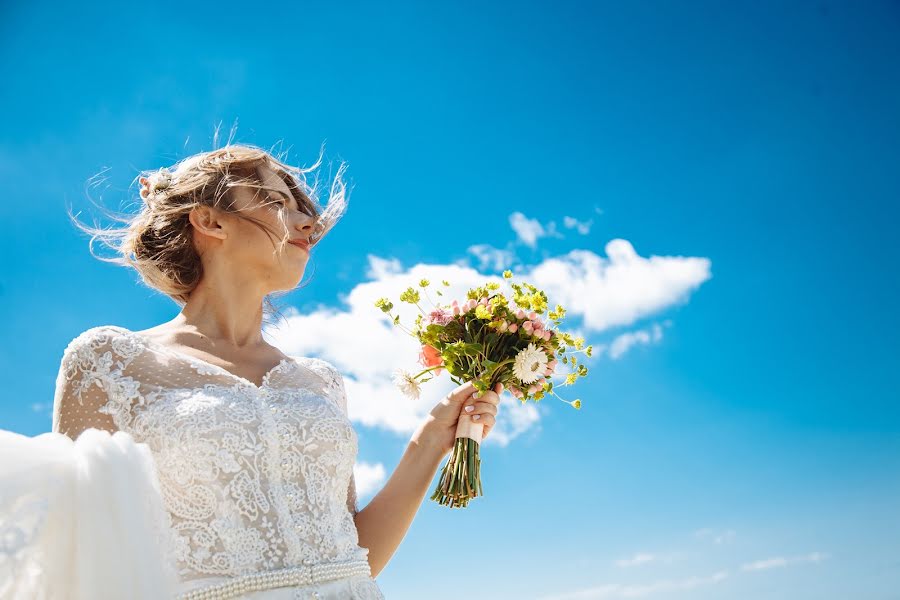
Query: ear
{"type": "Point", "coordinates": [207, 221]}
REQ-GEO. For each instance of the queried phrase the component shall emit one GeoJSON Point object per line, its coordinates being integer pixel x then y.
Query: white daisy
{"type": "Point", "coordinates": [530, 364]}
{"type": "Point", "coordinates": [407, 383]}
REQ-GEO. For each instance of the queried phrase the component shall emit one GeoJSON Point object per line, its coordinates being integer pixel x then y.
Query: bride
{"type": "Point", "coordinates": [193, 459]}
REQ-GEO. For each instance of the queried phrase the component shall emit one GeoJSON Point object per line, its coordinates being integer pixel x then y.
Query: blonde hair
{"type": "Point", "coordinates": [158, 241]}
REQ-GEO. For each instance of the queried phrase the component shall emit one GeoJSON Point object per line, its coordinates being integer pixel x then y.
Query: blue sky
{"type": "Point", "coordinates": [718, 183]}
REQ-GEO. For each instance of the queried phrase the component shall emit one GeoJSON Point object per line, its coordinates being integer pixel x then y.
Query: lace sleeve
{"type": "Point", "coordinates": [89, 391]}
{"type": "Point", "coordinates": [341, 394]}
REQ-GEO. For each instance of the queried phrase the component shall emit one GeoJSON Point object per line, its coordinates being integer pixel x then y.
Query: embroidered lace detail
{"type": "Point", "coordinates": [253, 478]}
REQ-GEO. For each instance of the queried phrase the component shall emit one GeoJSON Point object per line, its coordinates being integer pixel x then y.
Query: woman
{"type": "Point", "coordinates": [249, 450]}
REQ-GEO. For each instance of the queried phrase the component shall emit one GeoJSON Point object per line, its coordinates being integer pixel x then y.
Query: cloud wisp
{"type": "Point", "coordinates": [639, 590]}
{"type": "Point", "coordinates": [778, 562]}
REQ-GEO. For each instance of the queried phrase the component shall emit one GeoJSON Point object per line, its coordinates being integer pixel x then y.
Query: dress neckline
{"type": "Point", "coordinates": [196, 360]}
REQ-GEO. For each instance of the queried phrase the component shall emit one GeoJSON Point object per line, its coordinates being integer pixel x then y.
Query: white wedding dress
{"type": "Point", "coordinates": [210, 487]}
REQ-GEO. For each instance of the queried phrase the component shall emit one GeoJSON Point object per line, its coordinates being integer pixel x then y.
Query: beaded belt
{"type": "Point", "coordinates": [266, 580]}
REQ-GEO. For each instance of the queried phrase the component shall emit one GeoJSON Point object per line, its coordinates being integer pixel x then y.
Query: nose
{"type": "Point", "coordinates": [306, 226]}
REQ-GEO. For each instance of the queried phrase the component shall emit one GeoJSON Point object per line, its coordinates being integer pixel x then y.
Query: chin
{"type": "Point", "coordinates": [291, 280]}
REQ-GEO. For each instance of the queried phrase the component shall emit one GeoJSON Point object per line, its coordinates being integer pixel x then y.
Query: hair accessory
{"type": "Point", "coordinates": [159, 180]}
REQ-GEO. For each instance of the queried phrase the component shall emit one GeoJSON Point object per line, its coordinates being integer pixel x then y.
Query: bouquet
{"type": "Point", "coordinates": [486, 339]}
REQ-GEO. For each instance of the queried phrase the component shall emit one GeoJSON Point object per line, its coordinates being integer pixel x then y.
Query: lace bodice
{"type": "Point", "coordinates": [253, 477]}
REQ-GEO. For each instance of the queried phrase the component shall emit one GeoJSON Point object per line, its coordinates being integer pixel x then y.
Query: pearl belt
{"type": "Point", "coordinates": [266, 580]}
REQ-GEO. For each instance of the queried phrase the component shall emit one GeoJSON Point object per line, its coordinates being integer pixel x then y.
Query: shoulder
{"type": "Point", "coordinates": [90, 344]}
{"type": "Point", "coordinates": [321, 367]}
{"type": "Point", "coordinates": [96, 335]}
{"type": "Point", "coordinates": [327, 371]}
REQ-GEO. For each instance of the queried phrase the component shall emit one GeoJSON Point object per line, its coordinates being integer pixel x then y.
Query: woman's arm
{"type": "Point", "coordinates": [80, 391]}
{"type": "Point", "coordinates": [384, 521]}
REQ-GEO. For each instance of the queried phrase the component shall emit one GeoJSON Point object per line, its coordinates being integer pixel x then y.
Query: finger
{"type": "Point", "coordinates": [462, 393]}
{"type": "Point", "coordinates": [480, 408]}
{"type": "Point", "coordinates": [491, 397]}
{"type": "Point", "coordinates": [485, 418]}
{"type": "Point", "coordinates": [498, 388]}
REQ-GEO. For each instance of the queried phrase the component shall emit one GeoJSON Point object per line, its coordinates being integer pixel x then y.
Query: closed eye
{"type": "Point", "coordinates": [274, 200]}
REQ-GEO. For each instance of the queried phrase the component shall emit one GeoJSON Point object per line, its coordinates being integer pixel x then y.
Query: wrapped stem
{"type": "Point", "coordinates": [461, 477]}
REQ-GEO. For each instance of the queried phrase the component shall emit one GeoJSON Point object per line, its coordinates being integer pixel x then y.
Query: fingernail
{"type": "Point", "coordinates": [476, 417]}
{"type": "Point", "coordinates": [470, 408]}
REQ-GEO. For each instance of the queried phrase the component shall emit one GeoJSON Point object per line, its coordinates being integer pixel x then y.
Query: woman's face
{"type": "Point", "coordinates": [249, 249]}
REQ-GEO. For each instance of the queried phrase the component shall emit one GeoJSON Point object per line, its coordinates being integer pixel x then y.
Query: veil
{"type": "Point", "coordinates": [82, 519]}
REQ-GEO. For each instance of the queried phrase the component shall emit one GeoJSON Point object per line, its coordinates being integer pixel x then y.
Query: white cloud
{"type": "Point", "coordinates": [620, 289]}
{"type": "Point", "coordinates": [621, 344]}
{"type": "Point", "coordinates": [582, 227]}
{"type": "Point", "coordinates": [491, 258]}
{"type": "Point", "coordinates": [640, 590]}
{"type": "Point", "coordinates": [530, 230]}
{"type": "Point", "coordinates": [783, 561]}
{"type": "Point", "coordinates": [369, 477]}
{"type": "Point", "coordinates": [382, 267]}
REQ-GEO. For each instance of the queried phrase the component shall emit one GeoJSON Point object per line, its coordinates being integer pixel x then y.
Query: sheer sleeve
{"type": "Point", "coordinates": [342, 401]}
{"type": "Point", "coordinates": [90, 390]}
{"type": "Point", "coordinates": [335, 384]}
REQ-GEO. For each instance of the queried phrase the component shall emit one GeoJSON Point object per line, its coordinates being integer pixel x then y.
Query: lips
{"type": "Point", "coordinates": [300, 244]}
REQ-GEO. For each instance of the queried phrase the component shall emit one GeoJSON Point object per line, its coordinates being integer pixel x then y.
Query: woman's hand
{"type": "Point", "coordinates": [439, 429]}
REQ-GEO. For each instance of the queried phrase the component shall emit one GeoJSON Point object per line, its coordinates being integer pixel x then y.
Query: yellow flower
{"type": "Point", "coordinates": [507, 274]}
{"type": "Point", "coordinates": [482, 312]}
{"type": "Point", "coordinates": [577, 404]}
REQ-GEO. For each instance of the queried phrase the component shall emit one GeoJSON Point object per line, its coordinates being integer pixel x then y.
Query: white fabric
{"type": "Point", "coordinates": [80, 520]}
{"type": "Point", "coordinates": [250, 477]}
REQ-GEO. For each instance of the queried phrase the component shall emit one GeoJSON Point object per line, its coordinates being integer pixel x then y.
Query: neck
{"type": "Point", "coordinates": [229, 313]}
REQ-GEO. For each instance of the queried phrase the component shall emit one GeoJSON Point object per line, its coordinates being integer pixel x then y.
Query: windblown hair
{"type": "Point", "coordinates": [158, 241]}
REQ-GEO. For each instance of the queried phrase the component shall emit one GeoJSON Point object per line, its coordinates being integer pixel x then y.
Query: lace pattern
{"type": "Point", "coordinates": [253, 478]}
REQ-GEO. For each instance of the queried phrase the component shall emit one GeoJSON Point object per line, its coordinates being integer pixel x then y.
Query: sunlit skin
{"type": "Point", "coordinates": [221, 323]}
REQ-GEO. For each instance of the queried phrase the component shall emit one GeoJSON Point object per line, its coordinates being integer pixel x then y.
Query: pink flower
{"type": "Point", "coordinates": [534, 388]}
{"type": "Point", "coordinates": [438, 316]}
{"type": "Point", "coordinates": [520, 314]}
{"type": "Point", "coordinates": [483, 302]}
{"type": "Point", "coordinates": [430, 357]}
{"type": "Point", "coordinates": [532, 315]}
{"type": "Point", "coordinates": [503, 326]}
{"type": "Point", "coordinates": [516, 392]}
{"type": "Point", "coordinates": [527, 326]}
{"type": "Point", "coordinates": [547, 334]}
{"type": "Point", "coordinates": [455, 309]}
{"type": "Point", "coordinates": [513, 327]}
{"type": "Point", "coordinates": [552, 364]}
